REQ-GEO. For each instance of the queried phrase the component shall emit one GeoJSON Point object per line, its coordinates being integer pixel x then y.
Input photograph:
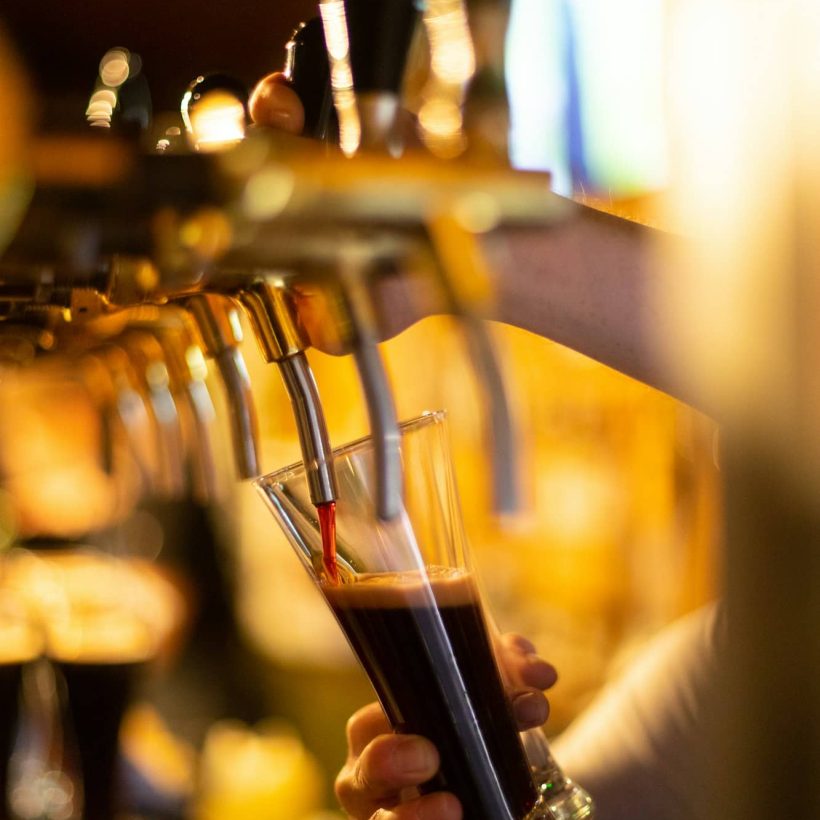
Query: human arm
{"type": "Point", "coordinates": [587, 282]}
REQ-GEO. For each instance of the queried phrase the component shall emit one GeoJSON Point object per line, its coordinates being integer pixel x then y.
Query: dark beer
{"type": "Point", "coordinates": [99, 657]}
{"type": "Point", "coordinates": [18, 646]}
{"type": "Point", "coordinates": [97, 695]}
{"type": "Point", "coordinates": [420, 644]}
{"type": "Point", "coordinates": [10, 677]}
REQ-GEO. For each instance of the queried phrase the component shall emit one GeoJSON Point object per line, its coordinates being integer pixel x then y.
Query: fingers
{"type": "Point", "coordinates": [273, 103]}
{"type": "Point", "coordinates": [386, 766]}
{"type": "Point", "coordinates": [530, 708]}
{"type": "Point", "coordinates": [363, 726]}
{"type": "Point", "coordinates": [523, 667]}
{"type": "Point", "coordinates": [528, 674]}
{"type": "Point", "coordinates": [380, 765]}
{"type": "Point", "coordinates": [433, 807]}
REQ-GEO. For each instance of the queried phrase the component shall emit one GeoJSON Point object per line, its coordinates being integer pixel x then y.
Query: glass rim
{"type": "Point", "coordinates": [426, 418]}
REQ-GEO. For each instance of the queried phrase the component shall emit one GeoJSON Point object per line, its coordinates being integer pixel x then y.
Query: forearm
{"type": "Point", "coordinates": [587, 282]}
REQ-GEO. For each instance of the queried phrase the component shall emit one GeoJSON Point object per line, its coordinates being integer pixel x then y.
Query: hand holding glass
{"type": "Point", "coordinates": [408, 602]}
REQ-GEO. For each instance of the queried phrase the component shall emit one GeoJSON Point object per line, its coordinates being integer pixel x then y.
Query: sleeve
{"type": "Point", "coordinates": [639, 748]}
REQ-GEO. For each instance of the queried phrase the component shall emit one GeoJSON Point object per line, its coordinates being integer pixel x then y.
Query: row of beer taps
{"type": "Point", "coordinates": [132, 265]}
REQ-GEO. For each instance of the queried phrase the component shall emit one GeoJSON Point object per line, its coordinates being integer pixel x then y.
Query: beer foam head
{"type": "Point", "coordinates": [388, 590]}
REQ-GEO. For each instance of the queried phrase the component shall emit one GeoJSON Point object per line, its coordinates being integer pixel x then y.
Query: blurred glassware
{"type": "Point", "coordinates": [103, 621]}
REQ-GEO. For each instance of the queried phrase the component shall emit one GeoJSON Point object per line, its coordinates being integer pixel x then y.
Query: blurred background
{"type": "Point", "coordinates": [241, 711]}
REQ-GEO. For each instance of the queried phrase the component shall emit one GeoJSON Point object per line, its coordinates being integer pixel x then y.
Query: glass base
{"type": "Point", "coordinates": [559, 797]}
{"type": "Point", "coordinates": [570, 803]}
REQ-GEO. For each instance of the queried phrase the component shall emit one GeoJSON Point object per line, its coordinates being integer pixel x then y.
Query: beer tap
{"type": "Point", "coordinates": [271, 313]}
{"type": "Point", "coordinates": [367, 47]}
{"type": "Point", "coordinates": [122, 408]}
{"type": "Point", "coordinates": [219, 328]}
{"type": "Point", "coordinates": [152, 371]}
{"type": "Point", "coordinates": [187, 373]}
{"type": "Point", "coordinates": [368, 42]}
{"type": "Point", "coordinates": [373, 81]}
{"type": "Point", "coordinates": [252, 225]}
{"type": "Point", "coordinates": [467, 75]}
{"type": "Point", "coordinates": [267, 304]}
{"type": "Point", "coordinates": [109, 370]}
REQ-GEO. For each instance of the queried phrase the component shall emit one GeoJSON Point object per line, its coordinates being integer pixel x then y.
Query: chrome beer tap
{"type": "Point", "coordinates": [113, 393]}
{"type": "Point", "coordinates": [187, 373]}
{"type": "Point", "coordinates": [152, 370]}
{"type": "Point", "coordinates": [250, 226]}
{"type": "Point", "coordinates": [219, 327]}
{"type": "Point", "coordinates": [272, 316]}
{"type": "Point", "coordinates": [367, 83]}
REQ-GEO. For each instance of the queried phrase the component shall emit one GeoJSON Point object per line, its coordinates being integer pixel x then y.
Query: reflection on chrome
{"type": "Point", "coordinates": [214, 112]}
{"type": "Point", "coordinates": [341, 75]}
{"type": "Point", "coordinates": [452, 64]}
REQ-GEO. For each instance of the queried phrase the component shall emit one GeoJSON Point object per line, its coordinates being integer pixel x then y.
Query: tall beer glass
{"type": "Point", "coordinates": [408, 602]}
{"type": "Point", "coordinates": [20, 644]}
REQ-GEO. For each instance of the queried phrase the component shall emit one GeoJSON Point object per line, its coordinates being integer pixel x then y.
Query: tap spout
{"type": "Point", "coordinates": [218, 325]}
{"type": "Point", "coordinates": [310, 424]}
{"type": "Point", "coordinates": [272, 317]}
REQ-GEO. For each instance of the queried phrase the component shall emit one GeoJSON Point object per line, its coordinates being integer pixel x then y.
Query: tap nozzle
{"type": "Point", "coordinates": [149, 358]}
{"type": "Point", "coordinates": [272, 317]}
{"type": "Point", "coordinates": [133, 406]}
{"type": "Point", "coordinates": [188, 373]}
{"type": "Point", "coordinates": [218, 324]}
{"type": "Point", "coordinates": [354, 265]}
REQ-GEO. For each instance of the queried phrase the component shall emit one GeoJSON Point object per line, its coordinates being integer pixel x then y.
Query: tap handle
{"type": "Point", "coordinates": [308, 71]}
{"type": "Point", "coordinates": [99, 386]}
{"type": "Point", "coordinates": [486, 111]}
{"type": "Point", "coordinates": [379, 33]}
{"type": "Point", "coordinates": [368, 42]}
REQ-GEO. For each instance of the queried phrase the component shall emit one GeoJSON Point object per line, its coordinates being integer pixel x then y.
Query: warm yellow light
{"type": "Point", "coordinates": [451, 48]}
{"type": "Point", "coordinates": [735, 101]}
{"type": "Point", "coordinates": [105, 97]}
{"type": "Point", "coordinates": [350, 127]}
{"type": "Point", "coordinates": [195, 360]}
{"type": "Point", "coordinates": [440, 117]}
{"type": "Point", "coordinates": [216, 120]}
{"type": "Point", "coordinates": [266, 774]}
{"type": "Point", "coordinates": [267, 192]}
{"type": "Point", "coordinates": [101, 107]}
{"type": "Point", "coordinates": [114, 67]}
{"type": "Point", "coordinates": [334, 23]}
{"type": "Point", "coordinates": [452, 64]}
